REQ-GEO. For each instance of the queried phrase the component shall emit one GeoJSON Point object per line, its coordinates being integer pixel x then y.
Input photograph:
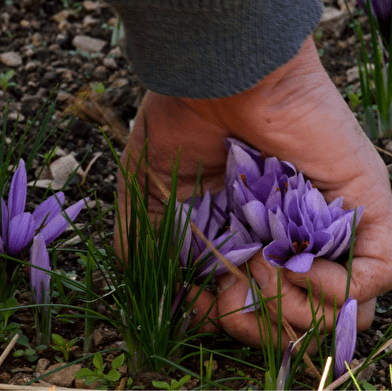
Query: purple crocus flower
{"type": "Point", "coordinates": [234, 241]}
{"type": "Point", "coordinates": [19, 227]}
{"type": "Point", "coordinates": [381, 10]}
{"type": "Point", "coordinates": [284, 211]}
{"type": "Point", "coordinates": [345, 336]}
{"type": "Point", "coordinates": [39, 279]}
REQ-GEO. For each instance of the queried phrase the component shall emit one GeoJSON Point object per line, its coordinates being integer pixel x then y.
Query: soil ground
{"type": "Point", "coordinates": [41, 33]}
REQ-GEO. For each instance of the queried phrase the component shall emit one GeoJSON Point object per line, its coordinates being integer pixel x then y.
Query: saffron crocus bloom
{"type": "Point", "coordinates": [284, 211]}
{"type": "Point", "coordinates": [381, 10]}
{"type": "Point", "coordinates": [234, 242]}
{"type": "Point", "coordinates": [19, 228]}
{"type": "Point", "coordinates": [39, 279]}
{"type": "Point", "coordinates": [345, 336]}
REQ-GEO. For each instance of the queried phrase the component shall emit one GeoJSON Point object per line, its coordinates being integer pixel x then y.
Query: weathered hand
{"type": "Point", "coordinates": [295, 114]}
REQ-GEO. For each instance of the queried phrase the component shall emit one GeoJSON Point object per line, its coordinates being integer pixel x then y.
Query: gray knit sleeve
{"type": "Point", "coordinates": [212, 48]}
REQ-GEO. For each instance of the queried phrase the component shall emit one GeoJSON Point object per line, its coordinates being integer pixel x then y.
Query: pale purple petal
{"type": "Point", "coordinates": [2, 251]}
{"type": "Point", "coordinates": [284, 370]}
{"type": "Point", "coordinates": [300, 263]}
{"type": "Point", "coordinates": [203, 213]}
{"type": "Point", "coordinates": [249, 302]}
{"type": "Point", "coordinates": [59, 223]}
{"type": "Point", "coordinates": [237, 257]}
{"type": "Point", "coordinates": [345, 336]}
{"type": "Point", "coordinates": [278, 225]}
{"type": "Point", "coordinates": [255, 215]}
{"type": "Point", "coordinates": [318, 209]}
{"type": "Point", "coordinates": [322, 242]}
{"type": "Point", "coordinates": [184, 254]}
{"type": "Point", "coordinates": [277, 252]}
{"type": "Point", "coordinates": [218, 215]}
{"type": "Point", "coordinates": [241, 235]}
{"type": "Point", "coordinates": [48, 209]}
{"type": "Point", "coordinates": [342, 239]}
{"type": "Point", "coordinates": [243, 164]}
{"type": "Point", "coordinates": [20, 234]}
{"type": "Point", "coordinates": [261, 189]}
{"type": "Point", "coordinates": [18, 190]}
{"type": "Point", "coordinates": [4, 219]}
{"type": "Point", "coordinates": [39, 279]}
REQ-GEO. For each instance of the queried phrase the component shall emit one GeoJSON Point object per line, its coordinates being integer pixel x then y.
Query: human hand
{"type": "Point", "coordinates": [295, 114]}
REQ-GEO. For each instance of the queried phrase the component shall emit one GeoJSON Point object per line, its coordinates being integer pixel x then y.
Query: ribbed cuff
{"type": "Point", "coordinates": [212, 48]}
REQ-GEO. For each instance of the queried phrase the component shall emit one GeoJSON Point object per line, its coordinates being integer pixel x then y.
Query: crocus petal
{"type": "Point", "coordinates": [203, 212]}
{"type": "Point", "coordinates": [317, 209]}
{"type": "Point", "coordinates": [188, 234]}
{"type": "Point", "coordinates": [4, 218]}
{"type": "Point", "coordinates": [277, 252]}
{"type": "Point", "coordinates": [21, 233]}
{"type": "Point", "coordinates": [249, 302]}
{"type": "Point", "coordinates": [341, 244]}
{"type": "Point", "coordinates": [241, 235]}
{"type": "Point", "coordinates": [59, 223]}
{"type": "Point", "coordinates": [48, 209]}
{"type": "Point", "coordinates": [218, 214]}
{"type": "Point", "coordinates": [39, 279]}
{"type": "Point", "coordinates": [322, 243]}
{"type": "Point", "coordinates": [236, 257]}
{"type": "Point", "coordinates": [300, 263]}
{"type": "Point", "coordinates": [345, 336]}
{"type": "Point", "coordinates": [1, 246]}
{"type": "Point", "coordinates": [18, 190]}
{"type": "Point", "coordinates": [284, 370]}
{"type": "Point", "coordinates": [255, 214]}
{"type": "Point", "coordinates": [278, 225]}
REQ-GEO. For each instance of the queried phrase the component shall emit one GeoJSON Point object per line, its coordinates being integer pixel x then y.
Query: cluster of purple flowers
{"type": "Point", "coordinates": [267, 204]}
{"type": "Point", "coordinates": [19, 228]}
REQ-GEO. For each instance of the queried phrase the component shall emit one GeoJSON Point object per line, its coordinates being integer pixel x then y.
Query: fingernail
{"type": "Point", "coordinates": [226, 281]}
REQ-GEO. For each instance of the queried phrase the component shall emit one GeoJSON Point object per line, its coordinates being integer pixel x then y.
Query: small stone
{"type": "Point", "coordinates": [11, 59]}
{"type": "Point", "coordinates": [119, 83]}
{"type": "Point", "coordinates": [14, 116]}
{"type": "Point", "coordinates": [88, 44]}
{"type": "Point", "coordinates": [63, 96]}
{"type": "Point", "coordinates": [92, 5]}
{"type": "Point", "coordinates": [110, 63]}
{"type": "Point", "coordinates": [352, 74]}
{"type": "Point", "coordinates": [79, 384]}
{"type": "Point", "coordinates": [63, 377]}
{"type": "Point", "coordinates": [25, 23]}
{"type": "Point", "coordinates": [378, 334]}
{"type": "Point", "coordinates": [61, 16]}
{"type": "Point", "coordinates": [31, 66]}
{"type": "Point", "coordinates": [103, 335]}
{"type": "Point", "coordinates": [21, 379]}
{"type": "Point", "coordinates": [334, 21]}
{"type": "Point", "coordinates": [42, 364]}
{"type": "Point", "coordinates": [100, 72]}
{"type": "Point", "coordinates": [388, 145]}
{"type": "Point", "coordinates": [89, 21]}
{"type": "Point", "coordinates": [116, 52]}
{"type": "Point", "coordinates": [36, 39]}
